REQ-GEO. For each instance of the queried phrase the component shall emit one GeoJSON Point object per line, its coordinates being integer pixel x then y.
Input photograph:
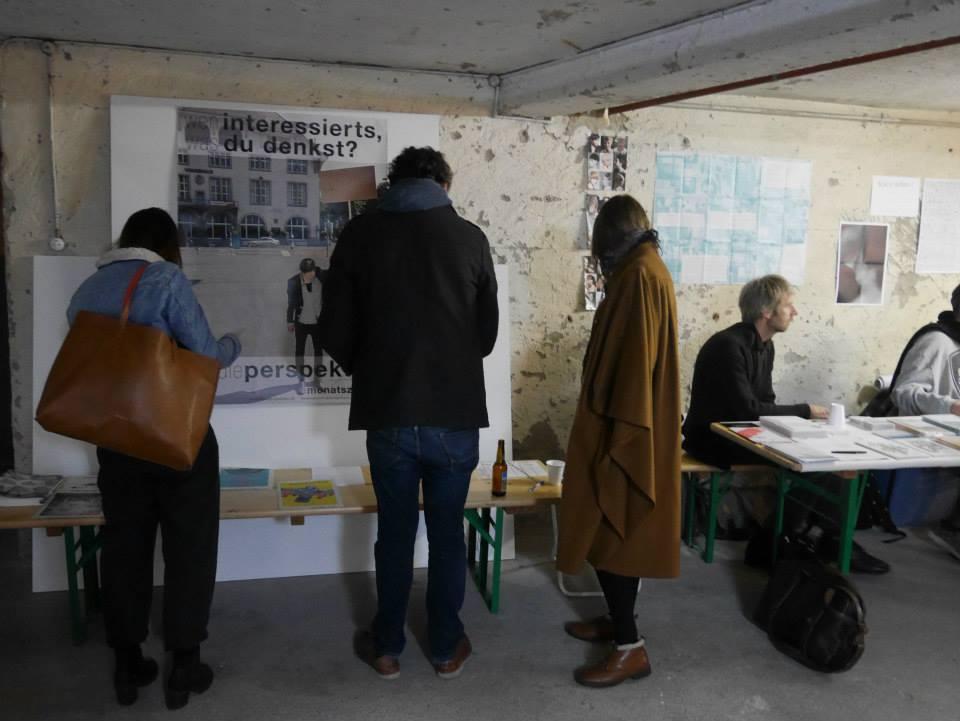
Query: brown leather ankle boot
{"type": "Point", "coordinates": [618, 666]}
{"type": "Point", "coordinates": [597, 629]}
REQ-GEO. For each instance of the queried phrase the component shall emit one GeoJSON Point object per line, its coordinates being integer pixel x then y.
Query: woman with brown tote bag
{"type": "Point", "coordinates": [138, 495]}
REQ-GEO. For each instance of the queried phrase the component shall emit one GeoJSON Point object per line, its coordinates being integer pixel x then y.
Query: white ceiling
{"type": "Point", "coordinates": [552, 56]}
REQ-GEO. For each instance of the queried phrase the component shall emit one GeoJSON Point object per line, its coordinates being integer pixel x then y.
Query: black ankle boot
{"type": "Point", "coordinates": [188, 675]}
{"type": "Point", "coordinates": [133, 671]}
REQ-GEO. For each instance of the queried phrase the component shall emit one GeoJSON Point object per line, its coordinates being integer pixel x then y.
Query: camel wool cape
{"type": "Point", "coordinates": [620, 508]}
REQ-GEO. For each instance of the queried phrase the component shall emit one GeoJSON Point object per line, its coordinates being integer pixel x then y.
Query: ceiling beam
{"type": "Point", "coordinates": [764, 38]}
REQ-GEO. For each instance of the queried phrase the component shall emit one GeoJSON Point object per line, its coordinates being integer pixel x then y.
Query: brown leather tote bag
{"type": "Point", "coordinates": [129, 388]}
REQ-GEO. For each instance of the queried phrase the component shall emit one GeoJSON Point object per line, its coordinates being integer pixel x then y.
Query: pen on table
{"type": "Point", "coordinates": [848, 451]}
{"type": "Point", "coordinates": [535, 486]}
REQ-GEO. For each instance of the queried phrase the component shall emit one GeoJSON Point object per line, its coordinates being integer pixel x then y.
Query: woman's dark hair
{"type": "Point", "coordinates": [153, 229]}
{"type": "Point", "coordinates": [620, 220]}
{"type": "Point", "coordinates": [420, 163]}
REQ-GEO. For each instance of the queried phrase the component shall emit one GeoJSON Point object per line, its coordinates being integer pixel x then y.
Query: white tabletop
{"type": "Point", "coordinates": [848, 448]}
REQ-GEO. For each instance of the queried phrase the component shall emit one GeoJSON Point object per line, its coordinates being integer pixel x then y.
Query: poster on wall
{"type": "Point", "coordinates": [727, 219]}
{"type": "Point", "coordinates": [861, 263]}
{"type": "Point", "coordinates": [261, 194]}
{"type": "Point", "coordinates": [938, 250]}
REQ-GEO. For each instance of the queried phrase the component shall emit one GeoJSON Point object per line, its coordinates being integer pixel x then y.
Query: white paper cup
{"type": "Point", "coordinates": [837, 415]}
{"type": "Point", "coordinates": [555, 471]}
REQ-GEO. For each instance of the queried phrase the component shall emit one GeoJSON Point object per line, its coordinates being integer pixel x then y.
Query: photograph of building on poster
{"type": "Point", "coordinates": [261, 198]}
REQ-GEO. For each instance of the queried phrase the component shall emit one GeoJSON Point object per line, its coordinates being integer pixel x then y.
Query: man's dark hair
{"type": "Point", "coordinates": [307, 264]}
{"type": "Point", "coordinates": [153, 229]}
{"type": "Point", "coordinates": [955, 302]}
{"type": "Point", "coordinates": [420, 163]}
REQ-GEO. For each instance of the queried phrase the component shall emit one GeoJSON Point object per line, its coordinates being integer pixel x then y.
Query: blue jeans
{"type": "Point", "coordinates": [443, 459]}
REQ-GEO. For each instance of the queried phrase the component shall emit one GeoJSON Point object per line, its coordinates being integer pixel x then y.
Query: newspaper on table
{"type": "Point", "coordinates": [74, 497]}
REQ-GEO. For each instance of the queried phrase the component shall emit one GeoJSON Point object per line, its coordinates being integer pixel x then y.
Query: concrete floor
{"type": "Point", "coordinates": [282, 649]}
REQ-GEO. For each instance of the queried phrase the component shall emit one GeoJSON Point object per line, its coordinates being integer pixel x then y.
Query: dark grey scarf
{"type": "Point", "coordinates": [612, 257]}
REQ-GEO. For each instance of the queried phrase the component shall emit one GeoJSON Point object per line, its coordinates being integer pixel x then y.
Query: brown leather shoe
{"type": "Point", "coordinates": [597, 629]}
{"type": "Point", "coordinates": [453, 667]}
{"type": "Point", "coordinates": [616, 667]}
{"type": "Point", "coordinates": [387, 667]}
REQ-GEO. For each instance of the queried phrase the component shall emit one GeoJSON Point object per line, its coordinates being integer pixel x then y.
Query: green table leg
{"type": "Point", "coordinates": [849, 510]}
{"type": "Point", "coordinates": [490, 531]}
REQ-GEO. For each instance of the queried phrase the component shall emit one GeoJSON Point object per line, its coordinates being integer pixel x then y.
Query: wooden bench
{"type": "Point", "coordinates": [483, 512]}
{"type": "Point", "coordinates": [719, 481]}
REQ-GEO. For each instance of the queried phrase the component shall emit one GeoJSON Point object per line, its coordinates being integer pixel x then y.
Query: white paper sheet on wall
{"type": "Point", "coordinates": [895, 196]}
{"type": "Point", "coordinates": [938, 247]}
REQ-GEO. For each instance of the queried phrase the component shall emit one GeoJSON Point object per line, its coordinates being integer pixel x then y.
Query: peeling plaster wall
{"type": "Point", "coordinates": [523, 183]}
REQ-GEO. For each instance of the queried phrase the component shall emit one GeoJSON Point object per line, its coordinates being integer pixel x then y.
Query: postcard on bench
{"type": "Point", "coordinates": [308, 494]}
{"type": "Point", "coordinates": [243, 478]}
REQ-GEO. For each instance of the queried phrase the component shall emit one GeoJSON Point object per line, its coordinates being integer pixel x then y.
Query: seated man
{"type": "Point", "coordinates": [927, 382]}
{"type": "Point", "coordinates": [732, 378]}
{"type": "Point", "coordinates": [732, 382]}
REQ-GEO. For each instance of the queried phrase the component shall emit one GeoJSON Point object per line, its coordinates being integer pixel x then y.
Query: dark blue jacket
{"type": "Point", "coordinates": [410, 310]}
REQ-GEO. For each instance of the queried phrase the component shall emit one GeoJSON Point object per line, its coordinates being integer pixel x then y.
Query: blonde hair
{"type": "Point", "coordinates": [762, 295]}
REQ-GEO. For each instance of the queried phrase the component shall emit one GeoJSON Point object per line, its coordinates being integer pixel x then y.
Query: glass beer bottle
{"type": "Point", "coordinates": [499, 479]}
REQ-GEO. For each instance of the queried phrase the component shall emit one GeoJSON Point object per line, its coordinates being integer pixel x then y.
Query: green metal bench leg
{"type": "Point", "coordinates": [711, 530]}
{"type": "Point", "coordinates": [689, 506]}
{"type": "Point", "coordinates": [484, 550]}
{"type": "Point", "coordinates": [494, 603]}
{"type": "Point", "coordinates": [78, 625]}
{"type": "Point", "coordinates": [89, 545]}
{"type": "Point", "coordinates": [783, 485]}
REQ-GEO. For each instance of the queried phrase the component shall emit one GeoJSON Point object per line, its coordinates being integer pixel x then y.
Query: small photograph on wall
{"type": "Point", "coordinates": [594, 203]}
{"type": "Point", "coordinates": [606, 162]}
{"type": "Point", "coordinates": [593, 283]}
{"type": "Point", "coordinates": [861, 263]}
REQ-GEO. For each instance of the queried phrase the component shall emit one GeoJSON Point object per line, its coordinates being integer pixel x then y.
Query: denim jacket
{"type": "Point", "coordinates": [163, 299]}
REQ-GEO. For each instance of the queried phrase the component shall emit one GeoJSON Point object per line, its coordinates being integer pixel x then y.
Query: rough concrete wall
{"type": "Point", "coordinates": [526, 184]}
{"type": "Point", "coordinates": [522, 182]}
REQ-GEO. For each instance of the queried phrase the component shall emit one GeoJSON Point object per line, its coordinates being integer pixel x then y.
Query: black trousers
{"type": "Point", "coordinates": [620, 593]}
{"type": "Point", "coordinates": [301, 332]}
{"type": "Point", "coordinates": [139, 497]}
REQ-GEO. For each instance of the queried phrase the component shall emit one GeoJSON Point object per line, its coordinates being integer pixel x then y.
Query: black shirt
{"type": "Point", "coordinates": [732, 381]}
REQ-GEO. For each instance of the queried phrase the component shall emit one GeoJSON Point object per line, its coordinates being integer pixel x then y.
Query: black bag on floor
{"type": "Point", "coordinates": [814, 615]}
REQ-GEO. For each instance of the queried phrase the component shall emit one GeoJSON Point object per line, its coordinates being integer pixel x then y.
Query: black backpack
{"type": "Point", "coordinates": [814, 615]}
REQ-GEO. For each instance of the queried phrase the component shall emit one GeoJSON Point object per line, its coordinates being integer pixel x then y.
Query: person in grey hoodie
{"type": "Point", "coordinates": [928, 382]}
{"type": "Point", "coordinates": [929, 378]}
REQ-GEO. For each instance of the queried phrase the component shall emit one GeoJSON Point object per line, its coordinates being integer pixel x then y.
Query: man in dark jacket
{"type": "Point", "coordinates": [410, 310]}
{"type": "Point", "coordinates": [732, 378]}
{"type": "Point", "coordinates": [303, 311]}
